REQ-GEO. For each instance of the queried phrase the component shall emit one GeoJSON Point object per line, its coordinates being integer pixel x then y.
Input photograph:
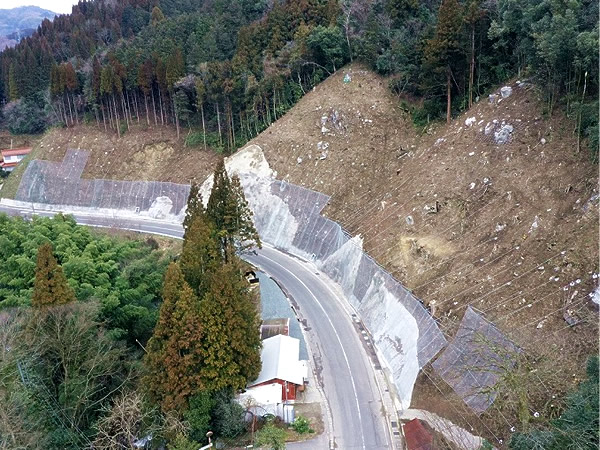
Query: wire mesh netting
{"type": "Point", "coordinates": [475, 361]}
{"type": "Point", "coordinates": [289, 218]}
{"type": "Point", "coordinates": [342, 259]}
{"type": "Point", "coordinates": [61, 184]}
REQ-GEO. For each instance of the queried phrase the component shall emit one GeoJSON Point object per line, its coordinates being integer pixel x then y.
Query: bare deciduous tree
{"type": "Point", "coordinates": [124, 423]}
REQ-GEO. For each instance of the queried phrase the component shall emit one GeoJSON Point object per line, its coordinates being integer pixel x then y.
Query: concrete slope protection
{"type": "Point", "coordinates": [288, 217]}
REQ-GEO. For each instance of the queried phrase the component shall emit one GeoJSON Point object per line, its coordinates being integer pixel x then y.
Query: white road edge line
{"type": "Point", "coordinates": [349, 309]}
{"type": "Point", "coordinates": [329, 426]}
{"type": "Point", "coordinates": [339, 341]}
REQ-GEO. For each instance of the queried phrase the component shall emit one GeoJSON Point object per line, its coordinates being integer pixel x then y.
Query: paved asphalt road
{"type": "Point", "coordinates": [342, 365]}
{"type": "Point", "coordinates": [344, 372]}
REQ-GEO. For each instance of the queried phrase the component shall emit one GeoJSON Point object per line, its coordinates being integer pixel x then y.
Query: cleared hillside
{"type": "Point", "coordinates": [510, 229]}
{"type": "Point", "coordinates": [143, 154]}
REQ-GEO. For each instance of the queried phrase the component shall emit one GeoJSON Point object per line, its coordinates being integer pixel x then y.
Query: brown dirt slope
{"type": "Point", "coordinates": [510, 229]}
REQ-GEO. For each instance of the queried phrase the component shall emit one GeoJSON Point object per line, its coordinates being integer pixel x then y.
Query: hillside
{"type": "Point", "coordinates": [144, 153]}
{"type": "Point", "coordinates": [23, 18]}
{"type": "Point", "coordinates": [509, 228]}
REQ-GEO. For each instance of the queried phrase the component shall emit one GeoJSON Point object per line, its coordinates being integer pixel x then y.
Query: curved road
{"type": "Point", "coordinates": [342, 366]}
{"type": "Point", "coordinates": [354, 410]}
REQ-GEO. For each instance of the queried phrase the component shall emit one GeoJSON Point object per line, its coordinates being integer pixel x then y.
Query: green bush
{"type": "Point", "coordinates": [576, 428]}
{"type": "Point", "coordinates": [123, 127]}
{"type": "Point", "coordinates": [271, 437]}
{"type": "Point", "coordinates": [24, 117]}
{"type": "Point", "coordinates": [429, 112]}
{"type": "Point", "coordinates": [301, 425]}
{"type": "Point", "coordinates": [198, 415]}
{"type": "Point", "coordinates": [194, 139]}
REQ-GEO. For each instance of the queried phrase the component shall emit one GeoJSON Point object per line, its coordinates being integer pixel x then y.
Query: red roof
{"type": "Point", "coordinates": [15, 152]}
{"type": "Point", "coordinates": [417, 437]}
{"type": "Point", "coordinates": [9, 164]}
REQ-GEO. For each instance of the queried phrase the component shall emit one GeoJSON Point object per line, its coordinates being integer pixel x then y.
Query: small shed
{"type": "Point", "coordinates": [273, 327]}
{"type": "Point", "coordinates": [281, 365]}
{"type": "Point", "coordinates": [417, 436]}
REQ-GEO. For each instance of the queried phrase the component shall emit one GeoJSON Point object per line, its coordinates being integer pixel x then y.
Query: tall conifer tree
{"type": "Point", "coordinates": [231, 341]}
{"type": "Point", "coordinates": [444, 53]}
{"type": "Point", "coordinates": [200, 254]}
{"type": "Point", "coordinates": [174, 361]}
{"type": "Point", "coordinates": [228, 209]}
{"type": "Point", "coordinates": [195, 207]}
{"type": "Point", "coordinates": [50, 287]}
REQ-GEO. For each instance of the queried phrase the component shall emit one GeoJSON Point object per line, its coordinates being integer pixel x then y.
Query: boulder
{"type": "Point", "coordinates": [506, 91]}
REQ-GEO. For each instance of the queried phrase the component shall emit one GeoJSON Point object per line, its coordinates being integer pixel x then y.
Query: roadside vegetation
{"type": "Point", "coordinates": [123, 276]}
{"type": "Point", "coordinates": [577, 426]}
{"type": "Point", "coordinates": [100, 349]}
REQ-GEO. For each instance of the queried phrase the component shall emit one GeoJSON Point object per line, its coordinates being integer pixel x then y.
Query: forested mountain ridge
{"type": "Point", "coordinates": [226, 70]}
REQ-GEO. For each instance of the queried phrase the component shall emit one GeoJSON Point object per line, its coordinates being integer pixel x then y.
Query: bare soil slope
{"type": "Point", "coordinates": [509, 228]}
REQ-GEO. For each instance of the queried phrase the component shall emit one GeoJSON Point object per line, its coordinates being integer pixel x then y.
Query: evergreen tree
{"type": "Point", "coordinates": [13, 90]}
{"type": "Point", "coordinates": [231, 338]}
{"type": "Point", "coordinates": [444, 52]}
{"type": "Point", "coordinates": [50, 286]}
{"type": "Point", "coordinates": [173, 359]}
{"type": "Point", "coordinates": [195, 207]}
{"type": "Point", "coordinates": [215, 207]}
{"type": "Point", "coordinates": [200, 254]}
{"type": "Point", "coordinates": [242, 226]}
{"type": "Point", "coordinates": [157, 16]}
{"type": "Point", "coordinates": [228, 209]}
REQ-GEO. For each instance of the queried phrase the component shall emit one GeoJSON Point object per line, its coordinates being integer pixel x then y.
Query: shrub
{"type": "Point", "coordinates": [271, 437]}
{"type": "Point", "coordinates": [301, 425]}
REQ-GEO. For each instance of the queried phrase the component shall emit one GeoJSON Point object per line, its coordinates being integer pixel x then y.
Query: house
{"type": "Point", "coordinates": [417, 436]}
{"type": "Point", "coordinates": [281, 365]}
{"type": "Point", "coordinates": [11, 157]}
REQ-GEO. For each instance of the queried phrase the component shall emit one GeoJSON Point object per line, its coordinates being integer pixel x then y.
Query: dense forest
{"type": "Point", "coordinates": [223, 71]}
{"type": "Point", "coordinates": [126, 274]}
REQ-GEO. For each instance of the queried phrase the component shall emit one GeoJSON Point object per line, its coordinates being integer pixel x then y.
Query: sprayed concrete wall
{"type": "Point", "coordinates": [46, 182]}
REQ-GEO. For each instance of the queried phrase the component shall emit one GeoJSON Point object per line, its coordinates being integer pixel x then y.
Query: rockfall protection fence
{"type": "Point", "coordinates": [476, 360]}
{"type": "Point", "coordinates": [289, 217]}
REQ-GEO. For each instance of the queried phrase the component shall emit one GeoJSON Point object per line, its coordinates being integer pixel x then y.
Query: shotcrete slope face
{"type": "Point", "coordinates": [288, 217]}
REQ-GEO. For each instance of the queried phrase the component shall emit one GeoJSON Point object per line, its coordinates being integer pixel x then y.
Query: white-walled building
{"type": "Point", "coordinates": [11, 157]}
